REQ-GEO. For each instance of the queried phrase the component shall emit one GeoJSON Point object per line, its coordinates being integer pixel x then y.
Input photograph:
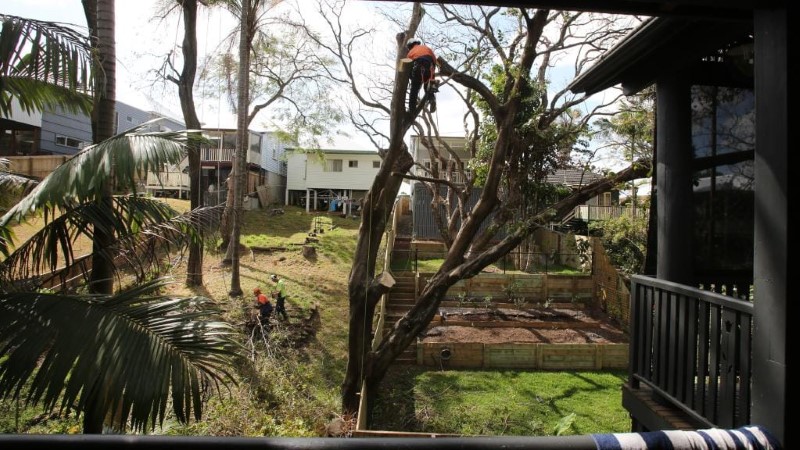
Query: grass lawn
{"type": "Point", "coordinates": [498, 403]}
{"type": "Point", "coordinates": [286, 389]}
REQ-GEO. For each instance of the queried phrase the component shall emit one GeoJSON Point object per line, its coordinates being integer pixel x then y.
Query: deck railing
{"type": "Point", "coordinates": [226, 155]}
{"type": "Point", "coordinates": [692, 347]}
{"type": "Point", "coordinates": [590, 212]}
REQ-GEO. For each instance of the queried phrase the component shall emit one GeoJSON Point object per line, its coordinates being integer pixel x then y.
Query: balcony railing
{"type": "Point", "coordinates": [588, 213]}
{"type": "Point", "coordinates": [168, 180]}
{"type": "Point", "coordinates": [226, 155]}
{"type": "Point", "coordinates": [217, 154]}
{"type": "Point", "coordinates": [692, 347]}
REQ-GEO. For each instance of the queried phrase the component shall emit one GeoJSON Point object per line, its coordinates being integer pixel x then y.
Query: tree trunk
{"type": "Point", "coordinates": [100, 20]}
{"type": "Point", "coordinates": [377, 208]}
{"type": "Point", "coordinates": [242, 147]}
{"type": "Point", "coordinates": [194, 269]}
{"type": "Point", "coordinates": [101, 23]}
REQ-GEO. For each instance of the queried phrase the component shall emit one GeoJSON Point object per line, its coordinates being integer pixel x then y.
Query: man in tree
{"type": "Point", "coordinates": [422, 73]}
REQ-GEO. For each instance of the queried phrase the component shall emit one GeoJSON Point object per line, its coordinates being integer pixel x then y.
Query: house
{"type": "Point", "coordinates": [607, 205]}
{"type": "Point", "coordinates": [216, 164]}
{"type": "Point", "coordinates": [266, 170]}
{"type": "Point", "coordinates": [330, 180]}
{"type": "Point", "coordinates": [38, 142]}
{"type": "Point", "coordinates": [711, 320]}
{"type": "Point", "coordinates": [452, 164]}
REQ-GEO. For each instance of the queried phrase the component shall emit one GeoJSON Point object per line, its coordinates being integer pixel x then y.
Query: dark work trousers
{"type": "Point", "coordinates": [280, 307]}
{"type": "Point", "coordinates": [421, 73]}
{"type": "Point", "coordinates": [265, 311]}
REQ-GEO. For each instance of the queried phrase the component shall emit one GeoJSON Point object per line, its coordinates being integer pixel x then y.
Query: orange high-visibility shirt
{"type": "Point", "coordinates": [418, 51]}
{"type": "Point", "coordinates": [262, 299]}
{"type": "Point", "coordinates": [421, 50]}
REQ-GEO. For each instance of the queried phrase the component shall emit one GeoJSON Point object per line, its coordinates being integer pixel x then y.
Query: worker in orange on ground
{"type": "Point", "coordinates": [264, 307]}
{"type": "Point", "coordinates": [423, 71]}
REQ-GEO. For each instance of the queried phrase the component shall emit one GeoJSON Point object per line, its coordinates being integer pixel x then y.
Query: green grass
{"type": "Point", "coordinates": [294, 391]}
{"type": "Point", "coordinates": [497, 403]}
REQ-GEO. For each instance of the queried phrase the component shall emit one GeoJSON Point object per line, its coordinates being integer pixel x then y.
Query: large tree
{"type": "Point", "coordinates": [184, 79]}
{"type": "Point", "coordinates": [275, 70]}
{"type": "Point", "coordinates": [500, 60]}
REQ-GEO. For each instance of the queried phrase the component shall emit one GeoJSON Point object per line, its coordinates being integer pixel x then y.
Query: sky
{"type": "Point", "coordinates": [142, 40]}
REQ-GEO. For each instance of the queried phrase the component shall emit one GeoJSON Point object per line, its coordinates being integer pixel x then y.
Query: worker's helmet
{"type": "Point", "coordinates": [256, 291]}
{"type": "Point", "coordinates": [274, 278]}
{"type": "Point", "coordinates": [412, 42]}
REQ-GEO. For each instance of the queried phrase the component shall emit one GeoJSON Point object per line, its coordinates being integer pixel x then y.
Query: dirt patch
{"type": "Point", "coordinates": [543, 325]}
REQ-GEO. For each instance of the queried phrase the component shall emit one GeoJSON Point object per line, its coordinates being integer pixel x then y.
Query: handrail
{"type": "Point", "coordinates": [694, 347]}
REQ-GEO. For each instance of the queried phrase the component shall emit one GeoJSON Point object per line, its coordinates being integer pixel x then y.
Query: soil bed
{"type": "Point", "coordinates": [544, 325]}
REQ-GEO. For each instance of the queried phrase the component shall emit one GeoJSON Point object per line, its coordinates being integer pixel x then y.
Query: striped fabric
{"type": "Point", "coordinates": [745, 438]}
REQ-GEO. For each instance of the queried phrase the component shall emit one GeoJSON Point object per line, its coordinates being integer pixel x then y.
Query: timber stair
{"type": "Point", "coordinates": [400, 299]}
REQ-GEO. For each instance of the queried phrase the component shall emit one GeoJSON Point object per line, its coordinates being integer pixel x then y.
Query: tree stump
{"type": "Point", "coordinates": [309, 251]}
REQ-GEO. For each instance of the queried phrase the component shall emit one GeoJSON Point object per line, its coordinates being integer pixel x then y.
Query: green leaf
{"type": "Point", "coordinates": [140, 349]}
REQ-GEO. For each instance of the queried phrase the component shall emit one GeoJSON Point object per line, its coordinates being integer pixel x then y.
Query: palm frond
{"type": "Point", "coordinates": [11, 182]}
{"type": "Point", "coordinates": [147, 230]}
{"type": "Point", "coordinates": [140, 348]}
{"type": "Point", "coordinates": [120, 160]}
{"type": "Point", "coordinates": [37, 95]}
{"type": "Point", "coordinates": [48, 52]}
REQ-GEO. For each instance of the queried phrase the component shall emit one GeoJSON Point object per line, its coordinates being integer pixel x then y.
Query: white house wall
{"type": "Point", "coordinates": [307, 171]}
{"type": "Point", "coordinates": [272, 154]}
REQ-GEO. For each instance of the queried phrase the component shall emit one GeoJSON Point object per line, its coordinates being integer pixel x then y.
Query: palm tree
{"type": "Point", "coordinates": [132, 354]}
{"type": "Point", "coordinates": [101, 22]}
{"type": "Point", "coordinates": [202, 343]}
{"type": "Point", "coordinates": [43, 65]}
{"type": "Point", "coordinates": [119, 358]}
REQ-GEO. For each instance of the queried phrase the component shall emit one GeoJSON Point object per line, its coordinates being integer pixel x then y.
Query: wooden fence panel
{"type": "Point", "coordinates": [466, 355]}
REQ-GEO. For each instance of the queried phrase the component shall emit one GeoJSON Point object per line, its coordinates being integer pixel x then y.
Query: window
{"type": "Point", "coordinates": [229, 140]}
{"type": "Point", "coordinates": [352, 164]}
{"type": "Point", "coordinates": [70, 142]}
{"type": "Point", "coordinates": [723, 140]}
{"type": "Point", "coordinates": [255, 143]}
{"type": "Point", "coordinates": [333, 165]}
{"type": "Point", "coordinates": [376, 164]}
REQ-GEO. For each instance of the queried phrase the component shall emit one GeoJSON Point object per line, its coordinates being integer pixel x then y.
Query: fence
{"type": "Point", "coordinates": [38, 166]}
{"type": "Point", "coordinates": [427, 260]}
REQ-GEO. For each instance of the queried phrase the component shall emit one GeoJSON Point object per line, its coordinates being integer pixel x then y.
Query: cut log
{"type": "Point", "coordinates": [309, 251]}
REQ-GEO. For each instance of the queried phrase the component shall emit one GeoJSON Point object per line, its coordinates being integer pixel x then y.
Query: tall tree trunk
{"type": "Point", "coordinates": [101, 23]}
{"type": "Point", "coordinates": [242, 147]}
{"type": "Point", "coordinates": [363, 291]}
{"type": "Point", "coordinates": [194, 270]}
{"type": "Point", "coordinates": [100, 20]}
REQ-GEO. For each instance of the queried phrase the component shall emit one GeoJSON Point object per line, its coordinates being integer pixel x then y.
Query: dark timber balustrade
{"type": "Point", "coordinates": [692, 347]}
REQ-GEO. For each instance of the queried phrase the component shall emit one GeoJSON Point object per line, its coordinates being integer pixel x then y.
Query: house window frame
{"type": "Point", "coordinates": [352, 164]}
{"type": "Point", "coordinates": [376, 164]}
{"type": "Point", "coordinates": [63, 141]}
{"type": "Point", "coordinates": [333, 165]}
